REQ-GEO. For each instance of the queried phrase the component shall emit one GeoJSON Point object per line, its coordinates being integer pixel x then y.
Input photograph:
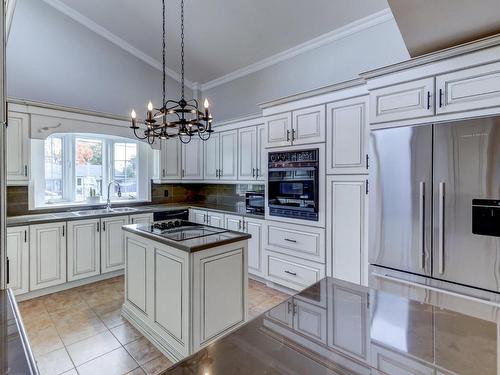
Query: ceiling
{"type": "Point", "coordinates": [431, 25]}
{"type": "Point", "coordinates": [222, 36]}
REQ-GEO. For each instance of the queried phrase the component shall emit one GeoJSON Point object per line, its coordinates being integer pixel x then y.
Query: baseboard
{"type": "Point", "coordinates": [65, 286]}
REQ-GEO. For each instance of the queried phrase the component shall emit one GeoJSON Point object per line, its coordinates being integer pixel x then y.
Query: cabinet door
{"type": "Point", "coordinates": [346, 228]}
{"type": "Point", "coordinates": [228, 155]}
{"type": "Point", "coordinates": [215, 219]}
{"type": "Point", "coordinates": [141, 219]}
{"type": "Point", "coordinates": [211, 157]}
{"type": "Point", "coordinates": [17, 259]}
{"type": "Point", "coordinates": [234, 222]}
{"type": "Point", "coordinates": [308, 125]}
{"type": "Point", "coordinates": [135, 275]}
{"type": "Point", "coordinates": [198, 216]}
{"type": "Point", "coordinates": [112, 243]}
{"type": "Point", "coordinates": [347, 137]}
{"type": "Point", "coordinates": [279, 129]}
{"type": "Point", "coordinates": [17, 148]}
{"type": "Point", "coordinates": [192, 163]}
{"type": "Point", "coordinates": [468, 89]}
{"type": "Point", "coordinates": [47, 255]}
{"type": "Point", "coordinates": [310, 320]}
{"type": "Point", "coordinates": [247, 153]}
{"type": "Point", "coordinates": [84, 256]}
{"type": "Point", "coordinates": [348, 320]}
{"type": "Point", "coordinates": [261, 153]}
{"type": "Point", "coordinates": [171, 159]}
{"type": "Point", "coordinates": [255, 251]}
{"type": "Point", "coordinates": [404, 101]}
{"type": "Point", "coordinates": [283, 313]}
{"type": "Point", "coordinates": [395, 363]}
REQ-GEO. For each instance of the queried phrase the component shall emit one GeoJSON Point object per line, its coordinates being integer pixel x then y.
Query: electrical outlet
{"type": "Point", "coordinates": [165, 193]}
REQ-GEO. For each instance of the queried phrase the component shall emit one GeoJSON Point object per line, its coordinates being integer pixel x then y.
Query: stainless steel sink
{"type": "Point", "coordinates": [123, 209]}
{"type": "Point", "coordinates": [104, 211]}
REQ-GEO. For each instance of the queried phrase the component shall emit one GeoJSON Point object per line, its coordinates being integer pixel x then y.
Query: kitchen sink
{"type": "Point", "coordinates": [104, 211]}
{"type": "Point", "coordinates": [123, 209]}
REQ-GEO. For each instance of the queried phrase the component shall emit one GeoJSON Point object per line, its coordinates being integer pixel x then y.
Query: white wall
{"type": "Point", "coordinates": [52, 58]}
{"type": "Point", "coordinates": [338, 61]}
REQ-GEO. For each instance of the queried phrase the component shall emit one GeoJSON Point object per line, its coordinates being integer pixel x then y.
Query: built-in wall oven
{"type": "Point", "coordinates": [293, 184]}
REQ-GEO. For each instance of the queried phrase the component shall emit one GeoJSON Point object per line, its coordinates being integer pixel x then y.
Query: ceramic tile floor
{"type": "Point", "coordinates": [81, 331]}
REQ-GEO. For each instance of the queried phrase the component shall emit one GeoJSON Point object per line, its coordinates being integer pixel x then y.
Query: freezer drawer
{"type": "Point", "coordinates": [400, 201]}
{"type": "Point", "coordinates": [466, 174]}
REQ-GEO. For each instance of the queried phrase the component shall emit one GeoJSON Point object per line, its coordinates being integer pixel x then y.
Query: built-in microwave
{"type": "Point", "coordinates": [254, 202]}
{"type": "Point", "coordinates": [293, 184]}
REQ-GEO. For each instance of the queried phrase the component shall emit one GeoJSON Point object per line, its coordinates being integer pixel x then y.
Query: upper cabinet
{"type": "Point", "coordinates": [247, 157]}
{"type": "Point", "coordinates": [220, 156]}
{"type": "Point", "coordinates": [398, 102]}
{"type": "Point", "coordinates": [303, 126]}
{"type": "Point", "coordinates": [211, 157]}
{"type": "Point", "coordinates": [17, 149]}
{"type": "Point", "coordinates": [192, 162]}
{"type": "Point", "coordinates": [261, 153]}
{"type": "Point", "coordinates": [171, 159]}
{"type": "Point", "coordinates": [347, 137]}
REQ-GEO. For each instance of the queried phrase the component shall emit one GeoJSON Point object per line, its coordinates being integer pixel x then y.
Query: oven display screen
{"type": "Point", "coordinates": [292, 188]}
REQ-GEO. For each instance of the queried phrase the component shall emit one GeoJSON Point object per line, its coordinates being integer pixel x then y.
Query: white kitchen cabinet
{"type": "Point", "coordinates": [310, 320]}
{"type": "Point", "coordinates": [402, 101]}
{"type": "Point", "coordinates": [347, 137]}
{"type": "Point", "coordinates": [112, 243]}
{"type": "Point", "coordinates": [198, 216]}
{"type": "Point", "coordinates": [247, 153]}
{"type": "Point", "coordinates": [215, 219]}
{"type": "Point", "coordinates": [349, 320]}
{"type": "Point", "coordinates": [468, 89]}
{"type": "Point", "coordinates": [234, 222]}
{"type": "Point", "coordinates": [278, 130]}
{"type": "Point", "coordinates": [347, 205]}
{"type": "Point", "coordinates": [135, 279]}
{"type": "Point", "coordinates": [308, 125]}
{"type": "Point", "coordinates": [283, 313]}
{"type": "Point", "coordinates": [47, 255]}
{"type": "Point", "coordinates": [141, 218]}
{"type": "Point", "coordinates": [83, 249]}
{"type": "Point", "coordinates": [297, 240]}
{"type": "Point", "coordinates": [192, 159]}
{"type": "Point", "coordinates": [17, 145]}
{"type": "Point", "coordinates": [211, 157]}
{"type": "Point", "coordinates": [228, 155]}
{"type": "Point", "coordinates": [17, 266]}
{"type": "Point", "coordinates": [393, 363]}
{"type": "Point", "coordinates": [261, 153]}
{"type": "Point", "coordinates": [171, 159]}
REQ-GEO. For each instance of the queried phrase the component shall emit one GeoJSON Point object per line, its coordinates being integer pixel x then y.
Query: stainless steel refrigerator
{"type": "Point", "coordinates": [435, 201]}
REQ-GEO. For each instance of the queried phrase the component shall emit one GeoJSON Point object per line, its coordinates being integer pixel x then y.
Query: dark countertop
{"type": "Point", "coordinates": [190, 245]}
{"type": "Point", "coordinates": [13, 221]}
{"type": "Point", "coordinates": [15, 355]}
{"type": "Point", "coordinates": [336, 327]}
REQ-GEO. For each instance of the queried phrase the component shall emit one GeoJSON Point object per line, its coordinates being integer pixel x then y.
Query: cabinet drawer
{"type": "Point", "coordinates": [404, 101]}
{"type": "Point", "coordinates": [295, 240]}
{"type": "Point", "coordinates": [468, 89]}
{"type": "Point", "coordinates": [293, 273]}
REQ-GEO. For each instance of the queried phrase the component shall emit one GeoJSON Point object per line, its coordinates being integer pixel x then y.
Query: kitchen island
{"type": "Point", "coordinates": [185, 284]}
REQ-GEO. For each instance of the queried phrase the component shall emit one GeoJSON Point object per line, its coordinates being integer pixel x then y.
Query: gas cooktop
{"type": "Point", "coordinates": [180, 230]}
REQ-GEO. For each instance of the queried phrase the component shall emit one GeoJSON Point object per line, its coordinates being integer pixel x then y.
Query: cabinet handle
{"type": "Point", "coordinates": [63, 231]}
{"type": "Point", "coordinates": [26, 171]}
{"type": "Point", "coordinates": [440, 98]}
{"type": "Point", "coordinates": [289, 240]}
{"type": "Point", "coordinates": [256, 172]}
{"type": "Point", "coordinates": [293, 134]}
{"type": "Point", "coordinates": [367, 187]}
{"type": "Point", "coordinates": [422, 224]}
{"type": "Point", "coordinates": [367, 161]}
{"type": "Point", "coordinates": [8, 270]}
{"type": "Point", "coordinates": [239, 224]}
{"type": "Point", "coordinates": [183, 173]}
{"type": "Point", "coordinates": [244, 225]}
{"type": "Point", "coordinates": [289, 307]}
{"type": "Point", "coordinates": [163, 173]}
{"type": "Point", "coordinates": [428, 100]}
{"type": "Point", "coordinates": [253, 172]}
{"type": "Point", "coordinates": [221, 172]}
{"type": "Point", "coordinates": [290, 273]}
{"type": "Point", "coordinates": [25, 236]}
{"type": "Point", "coordinates": [441, 228]}
{"type": "Point", "coordinates": [216, 173]}
{"type": "Point", "coordinates": [98, 227]}
{"type": "Point", "coordinates": [104, 226]}
{"type": "Point", "coordinates": [288, 135]}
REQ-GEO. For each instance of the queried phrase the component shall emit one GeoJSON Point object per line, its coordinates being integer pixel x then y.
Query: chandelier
{"type": "Point", "coordinates": [180, 118]}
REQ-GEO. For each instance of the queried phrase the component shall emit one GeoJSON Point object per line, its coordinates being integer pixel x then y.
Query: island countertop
{"type": "Point", "coordinates": [190, 245]}
{"type": "Point", "coordinates": [336, 327]}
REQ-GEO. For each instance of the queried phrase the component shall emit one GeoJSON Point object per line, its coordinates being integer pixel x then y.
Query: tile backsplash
{"type": "Point", "coordinates": [223, 195]}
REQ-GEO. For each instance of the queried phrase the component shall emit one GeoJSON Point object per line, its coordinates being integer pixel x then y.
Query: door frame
{"type": "Point", "coordinates": [3, 119]}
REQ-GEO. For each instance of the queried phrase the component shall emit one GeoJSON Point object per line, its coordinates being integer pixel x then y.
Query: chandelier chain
{"type": "Point", "coordinates": [164, 45]}
{"type": "Point", "coordinates": [182, 49]}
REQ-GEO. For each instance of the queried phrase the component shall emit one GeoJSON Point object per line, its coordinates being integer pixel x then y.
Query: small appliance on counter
{"type": "Point", "coordinates": [293, 178]}
{"type": "Point", "coordinates": [254, 202]}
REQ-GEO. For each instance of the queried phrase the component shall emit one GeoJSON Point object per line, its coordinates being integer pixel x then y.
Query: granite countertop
{"type": "Point", "coordinates": [190, 245]}
{"type": "Point", "coordinates": [16, 356]}
{"type": "Point", "coordinates": [336, 327]}
{"type": "Point", "coordinates": [13, 221]}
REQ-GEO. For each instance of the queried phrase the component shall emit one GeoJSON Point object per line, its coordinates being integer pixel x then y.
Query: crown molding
{"type": "Point", "coordinates": [340, 33]}
{"type": "Point", "coordinates": [113, 38]}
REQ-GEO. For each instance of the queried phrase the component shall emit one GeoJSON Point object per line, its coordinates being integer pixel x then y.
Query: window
{"type": "Point", "coordinates": [77, 168]}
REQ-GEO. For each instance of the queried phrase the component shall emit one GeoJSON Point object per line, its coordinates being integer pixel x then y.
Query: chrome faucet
{"type": "Point", "coordinates": [108, 202]}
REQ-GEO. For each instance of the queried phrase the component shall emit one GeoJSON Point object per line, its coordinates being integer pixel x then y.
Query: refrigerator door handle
{"type": "Point", "coordinates": [421, 224]}
{"type": "Point", "coordinates": [441, 228]}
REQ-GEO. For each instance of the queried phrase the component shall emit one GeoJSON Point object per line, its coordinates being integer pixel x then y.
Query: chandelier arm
{"type": "Point", "coordinates": [182, 49]}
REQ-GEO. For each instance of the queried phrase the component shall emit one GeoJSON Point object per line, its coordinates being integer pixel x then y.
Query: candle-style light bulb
{"type": "Point", "coordinates": [150, 112]}
{"type": "Point", "coordinates": [134, 116]}
{"type": "Point", "coordinates": [206, 104]}
{"type": "Point", "coordinates": [150, 106]}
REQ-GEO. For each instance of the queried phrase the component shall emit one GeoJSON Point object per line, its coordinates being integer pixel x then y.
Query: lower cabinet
{"type": "Point", "coordinates": [141, 218]}
{"type": "Point", "coordinates": [113, 243]}
{"type": "Point", "coordinates": [197, 216]}
{"type": "Point", "coordinates": [47, 255]}
{"type": "Point", "coordinates": [215, 219]}
{"type": "Point", "coordinates": [17, 266]}
{"type": "Point", "coordinates": [212, 218]}
{"type": "Point", "coordinates": [84, 258]}
{"type": "Point", "coordinates": [347, 205]}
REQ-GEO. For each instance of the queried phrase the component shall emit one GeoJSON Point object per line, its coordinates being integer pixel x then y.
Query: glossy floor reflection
{"type": "Point", "coordinates": [81, 331]}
